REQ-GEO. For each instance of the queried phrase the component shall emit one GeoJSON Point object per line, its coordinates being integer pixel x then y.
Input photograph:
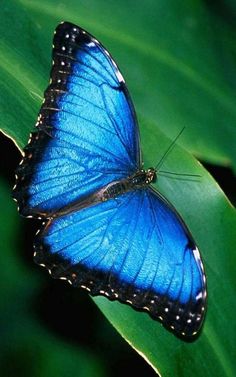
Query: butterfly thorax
{"type": "Point", "coordinates": [139, 180]}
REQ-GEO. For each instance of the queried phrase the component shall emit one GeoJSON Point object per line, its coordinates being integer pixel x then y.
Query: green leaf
{"type": "Point", "coordinates": [178, 59]}
{"type": "Point", "coordinates": [211, 219]}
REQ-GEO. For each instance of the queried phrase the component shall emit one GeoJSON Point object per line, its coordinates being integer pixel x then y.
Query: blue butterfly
{"type": "Point", "coordinates": [105, 228]}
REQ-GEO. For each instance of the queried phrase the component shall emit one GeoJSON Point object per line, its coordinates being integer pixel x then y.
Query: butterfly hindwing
{"type": "Point", "coordinates": [134, 249]}
{"type": "Point", "coordinates": [86, 128]}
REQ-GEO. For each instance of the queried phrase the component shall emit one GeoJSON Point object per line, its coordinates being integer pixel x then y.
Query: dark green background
{"type": "Point", "coordinates": [179, 60]}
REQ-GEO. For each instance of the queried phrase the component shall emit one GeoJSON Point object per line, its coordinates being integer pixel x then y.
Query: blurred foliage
{"type": "Point", "coordinates": [26, 348]}
{"type": "Point", "coordinates": [179, 60]}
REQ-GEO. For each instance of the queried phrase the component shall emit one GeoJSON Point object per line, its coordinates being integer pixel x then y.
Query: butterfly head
{"type": "Point", "coordinates": [151, 175]}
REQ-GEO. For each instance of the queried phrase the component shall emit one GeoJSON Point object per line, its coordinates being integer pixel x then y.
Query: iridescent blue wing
{"type": "Point", "coordinates": [86, 135]}
{"type": "Point", "coordinates": [135, 249]}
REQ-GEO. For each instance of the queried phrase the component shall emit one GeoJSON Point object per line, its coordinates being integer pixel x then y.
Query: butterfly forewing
{"type": "Point", "coordinates": [86, 129]}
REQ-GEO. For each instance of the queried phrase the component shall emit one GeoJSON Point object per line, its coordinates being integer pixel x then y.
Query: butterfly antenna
{"type": "Point", "coordinates": [169, 149]}
{"type": "Point", "coordinates": [171, 174]}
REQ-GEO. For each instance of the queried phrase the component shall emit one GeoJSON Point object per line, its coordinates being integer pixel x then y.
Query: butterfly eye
{"type": "Point", "coordinates": [154, 178]}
